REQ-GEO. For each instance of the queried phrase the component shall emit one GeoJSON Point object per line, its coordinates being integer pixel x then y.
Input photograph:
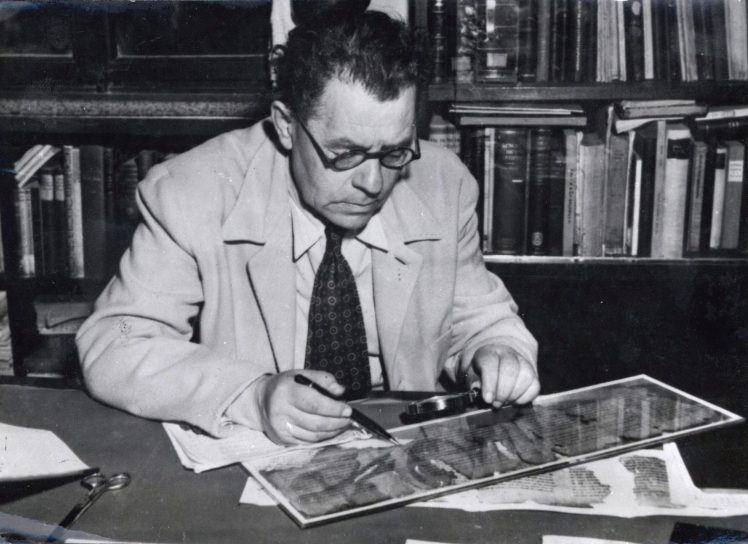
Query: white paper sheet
{"type": "Point", "coordinates": [28, 454]}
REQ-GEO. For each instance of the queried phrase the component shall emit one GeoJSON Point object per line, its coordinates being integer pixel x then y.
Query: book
{"type": "Point", "coordinates": [669, 214]}
{"type": "Point", "coordinates": [660, 41]}
{"type": "Point", "coordinates": [25, 229]}
{"type": "Point", "coordinates": [74, 211]}
{"type": "Point", "coordinates": [703, 44]}
{"type": "Point", "coordinates": [49, 223]}
{"type": "Point", "coordinates": [557, 195]}
{"type": "Point", "coordinates": [614, 194]}
{"type": "Point", "coordinates": [634, 109]}
{"type": "Point", "coordinates": [29, 164]}
{"type": "Point", "coordinates": [438, 35]}
{"type": "Point", "coordinates": [538, 188]}
{"type": "Point", "coordinates": [710, 168]}
{"type": "Point", "coordinates": [648, 46]}
{"type": "Point", "coordinates": [509, 189]}
{"type": "Point", "coordinates": [61, 221]}
{"type": "Point", "coordinates": [93, 210]}
{"type": "Point", "coordinates": [645, 150]}
{"type": "Point", "coordinates": [471, 153]}
{"type": "Point", "coordinates": [696, 196]}
{"type": "Point", "coordinates": [733, 194]}
{"type": "Point", "coordinates": [633, 11]}
{"type": "Point", "coordinates": [543, 36]}
{"type": "Point", "coordinates": [590, 194]}
{"type": "Point", "coordinates": [571, 163]}
{"type": "Point", "coordinates": [736, 36]}
{"type": "Point", "coordinates": [673, 41]}
{"type": "Point", "coordinates": [560, 36]}
{"type": "Point", "coordinates": [716, 16]}
{"type": "Point", "coordinates": [6, 342]}
{"type": "Point", "coordinates": [61, 314]}
{"type": "Point", "coordinates": [527, 57]}
{"type": "Point", "coordinates": [686, 40]}
{"type": "Point", "coordinates": [581, 40]}
{"type": "Point", "coordinates": [718, 197]}
{"type": "Point", "coordinates": [489, 186]}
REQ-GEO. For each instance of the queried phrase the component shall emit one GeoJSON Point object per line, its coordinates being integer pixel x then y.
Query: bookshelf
{"type": "Point", "coordinates": [682, 318]}
{"type": "Point", "coordinates": [129, 76]}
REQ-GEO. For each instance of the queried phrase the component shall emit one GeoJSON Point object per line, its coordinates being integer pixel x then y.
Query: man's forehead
{"type": "Point", "coordinates": [346, 108]}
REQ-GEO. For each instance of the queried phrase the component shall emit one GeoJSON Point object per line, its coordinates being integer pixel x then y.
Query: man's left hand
{"type": "Point", "coordinates": [505, 377]}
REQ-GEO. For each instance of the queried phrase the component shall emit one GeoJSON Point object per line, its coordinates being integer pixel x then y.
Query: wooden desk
{"type": "Point", "coordinates": [166, 503]}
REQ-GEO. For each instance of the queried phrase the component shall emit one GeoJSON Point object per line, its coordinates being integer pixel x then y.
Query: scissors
{"type": "Point", "coordinates": [97, 484]}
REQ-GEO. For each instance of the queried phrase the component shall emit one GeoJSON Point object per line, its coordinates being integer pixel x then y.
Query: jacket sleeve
{"type": "Point", "coordinates": [484, 310]}
{"type": "Point", "coordinates": [135, 348]}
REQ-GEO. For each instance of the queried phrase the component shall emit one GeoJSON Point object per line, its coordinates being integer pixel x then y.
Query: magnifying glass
{"type": "Point", "coordinates": [441, 405]}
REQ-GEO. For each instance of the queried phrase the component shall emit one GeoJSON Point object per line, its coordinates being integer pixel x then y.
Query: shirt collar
{"type": "Point", "coordinates": [308, 230]}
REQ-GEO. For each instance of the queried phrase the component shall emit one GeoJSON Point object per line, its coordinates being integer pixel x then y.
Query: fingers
{"type": "Point", "coordinates": [505, 376]}
{"type": "Point", "coordinates": [293, 413]}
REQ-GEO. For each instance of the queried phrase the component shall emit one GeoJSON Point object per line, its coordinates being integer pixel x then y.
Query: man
{"type": "Point", "coordinates": [220, 300]}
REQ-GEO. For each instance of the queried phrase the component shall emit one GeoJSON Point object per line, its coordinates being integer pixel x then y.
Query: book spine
{"type": "Point", "coordinates": [539, 191]}
{"type": "Point", "coordinates": [737, 39]}
{"type": "Point", "coordinates": [718, 197]}
{"type": "Point", "coordinates": [716, 15]}
{"type": "Point", "coordinates": [703, 45]}
{"type": "Point", "coordinates": [658, 203]}
{"type": "Point", "coordinates": [696, 197]}
{"type": "Point", "coordinates": [528, 45]}
{"type": "Point", "coordinates": [489, 184]}
{"type": "Point", "coordinates": [48, 221]}
{"type": "Point", "coordinates": [710, 164]}
{"type": "Point", "coordinates": [437, 33]}
{"type": "Point", "coordinates": [648, 39]}
{"type": "Point", "coordinates": [557, 195]}
{"type": "Point", "coordinates": [743, 228]}
{"type": "Point", "coordinates": [74, 211]}
{"type": "Point", "coordinates": [591, 173]}
{"type": "Point", "coordinates": [510, 187]}
{"type": "Point", "coordinates": [25, 229]}
{"type": "Point", "coordinates": [61, 223]}
{"type": "Point", "coordinates": [571, 163]}
{"type": "Point", "coordinates": [559, 36]}
{"type": "Point", "coordinates": [646, 143]}
{"type": "Point", "coordinates": [660, 40]}
{"type": "Point", "coordinates": [634, 39]}
{"type": "Point", "coordinates": [673, 43]}
{"type": "Point", "coordinates": [543, 34]}
{"type": "Point", "coordinates": [615, 195]}
{"type": "Point", "coordinates": [733, 194]}
{"type": "Point", "coordinates": [636, 205]}
{"type": "Point", "coordinates": [93, 210]}
{"type": "Point", "coordinates": [674, 193]}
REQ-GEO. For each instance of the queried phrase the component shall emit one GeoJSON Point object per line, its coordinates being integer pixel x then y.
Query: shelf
{"type": "Point", "coordinates": [132, 113]}
{"type": "Point", "coordinates": [722, 92]}
{"type": "Point", "coordinates": [616, 261]}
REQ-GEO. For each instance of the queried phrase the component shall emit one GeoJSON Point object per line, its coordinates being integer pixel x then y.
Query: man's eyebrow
{"type": "Point", "coordinates": [345, 142]}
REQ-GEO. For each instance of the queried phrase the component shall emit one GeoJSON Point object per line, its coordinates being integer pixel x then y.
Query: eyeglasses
{"type": "Point", "coordinates": [395, 158]}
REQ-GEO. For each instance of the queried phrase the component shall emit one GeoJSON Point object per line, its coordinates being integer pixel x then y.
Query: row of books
{"type": "Point", "coordinates": [75, 213]}
{"type": "Point", "coordinates": [588, 40]}
{"type": "Point", "coordinates": [660, 189]}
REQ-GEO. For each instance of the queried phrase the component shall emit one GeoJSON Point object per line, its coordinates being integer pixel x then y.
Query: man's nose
{"type": "Point", "coordinates": [368, 177]}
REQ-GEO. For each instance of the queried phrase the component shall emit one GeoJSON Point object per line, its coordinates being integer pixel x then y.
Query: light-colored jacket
{"type": "Point", "coordinates": [204, 301]}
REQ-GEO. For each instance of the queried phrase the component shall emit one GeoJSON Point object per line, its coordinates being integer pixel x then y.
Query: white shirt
{"type": "Point", "coordinates": [308, 249]}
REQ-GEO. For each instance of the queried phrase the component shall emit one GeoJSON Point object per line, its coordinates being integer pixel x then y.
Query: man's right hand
{"type": "Point", "coordinates": [296, 414]}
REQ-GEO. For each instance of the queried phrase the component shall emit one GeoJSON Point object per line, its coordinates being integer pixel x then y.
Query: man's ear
{"type": "Point", "coordinates": [281, 116]}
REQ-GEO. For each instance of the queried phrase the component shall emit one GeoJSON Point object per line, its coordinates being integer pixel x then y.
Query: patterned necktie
{"type": "Point", "coordinates": [336, 339]}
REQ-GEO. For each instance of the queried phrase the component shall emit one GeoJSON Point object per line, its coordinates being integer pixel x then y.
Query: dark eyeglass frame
{"type": "Point", "coordinates": [334, 162]}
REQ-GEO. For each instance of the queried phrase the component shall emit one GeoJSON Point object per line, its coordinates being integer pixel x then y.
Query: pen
{"type": "Point", "coordinates": [359, 417]}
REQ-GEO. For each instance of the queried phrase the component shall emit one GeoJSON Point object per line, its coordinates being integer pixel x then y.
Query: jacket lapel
{"type": "Point", "coordinates": [261, 222]}
{"type": "Point", "coordinates": [406, 219]}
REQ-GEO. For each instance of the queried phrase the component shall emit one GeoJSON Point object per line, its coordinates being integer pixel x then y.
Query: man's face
{"type": "Point", "coordinates": [349, 118]}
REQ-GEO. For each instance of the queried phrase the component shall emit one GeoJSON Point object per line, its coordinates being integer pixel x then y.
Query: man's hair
{"type": "Point", "coordinates": [368, 48]}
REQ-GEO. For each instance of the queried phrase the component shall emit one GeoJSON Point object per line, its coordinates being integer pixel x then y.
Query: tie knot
{"type": "Point", "coordinates": [334, 236]}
